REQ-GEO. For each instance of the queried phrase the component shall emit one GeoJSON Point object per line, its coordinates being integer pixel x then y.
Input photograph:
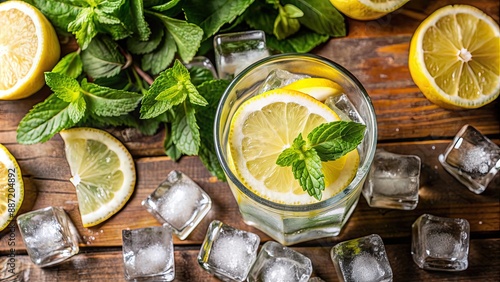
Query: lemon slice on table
{"type": "Point", "coordinates": [102, 170]}
{"type": "Point", "coordinates": [454, 57]}
{"type": "Point", "coordinates": [28, 47]}
{"type": "Point", "coordinates": [263, 127]}
{"type": "Point", "coordinates": [11, 187]}
{"type": "Point", "coordinates": [319, 88]}
{"type": "Point", "coordinates": [367, 9]}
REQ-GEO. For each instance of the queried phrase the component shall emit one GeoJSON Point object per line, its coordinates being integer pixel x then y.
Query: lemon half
{"type": "Point", "coordinates": [28, 47]}
{"type": "Point", "coordinates": [102, 170]}
{"type": "Point", "coordinates": [263, 127]}
{"type": "Point", "coordinates": [11, 187]}
{"type": "Point", "coordinates": [454, 57]}
{"type": "Point", "coordinates": [367, 9]}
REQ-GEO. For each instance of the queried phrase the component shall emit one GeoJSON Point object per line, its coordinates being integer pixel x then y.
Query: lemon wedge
{"type": "Point", "coordinates": [11, 187]}
{"type": "Point", "coordinates": [263, 127]}
{"type": "Point", "coordinates": [367, 9]}
{"type": "Point", "coordinates": [454, 57]}
{"type": "Point", "coordinates": [318, 88]}
{"type": "Point", "coordinates": [28, 47]}
{"type": "Point", "coordinates": [102, 170]}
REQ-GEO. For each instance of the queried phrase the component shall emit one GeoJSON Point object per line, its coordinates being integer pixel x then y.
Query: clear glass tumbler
{"type": "Point", "coordinates": [291, 224]}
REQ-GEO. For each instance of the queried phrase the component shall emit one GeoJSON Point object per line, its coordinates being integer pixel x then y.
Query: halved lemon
{"type": "Point", "coordinates": [11, 187]}
{"type": "Point", "coordinates": [263, 127]}
{"type": "Point", "coordinates": [319, 88]}
{"type": "Point", "coordinates": [28, 47]}
{"type": "Point", "coordinates": [454, 57]}
{"type": "Point", "coordinates": [102, 170]}
{"type": "Point", "coordinates": [367, 9]}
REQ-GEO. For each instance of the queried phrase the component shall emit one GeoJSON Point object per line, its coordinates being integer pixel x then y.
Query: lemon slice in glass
{"type": "Point", "coordinates": [263, 127]}
{"type": "Point", "coordinates": [319, 88]}
{"type": "Point", "coordinates": [11, 187]}
{"type": "Point", "coordinates": [28, 47]}
{"type": "Point", "coordinates": [102, 170]}
{"type": "Point", "coordinates": [367, 9]}
{"type": "Point", "coordinates": [454, 57]}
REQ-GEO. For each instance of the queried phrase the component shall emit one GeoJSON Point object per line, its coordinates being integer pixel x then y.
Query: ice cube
{"type": "Point", "coordinates": [362, 259]}
{"type": "Point", "coordinates": [49, 235]}
{"type": "Point", "coordinates": [235, 51]}
{"type": "Point", "coordinates": [277, 263]}
{"type": "Point", "coordinates": [227, 252]}
{"type": "Point", "coordinates": [440, 243]}
{"type": "Point", "coordinates": [393, 181]}
{"type": "Point", "coordinates": [179, 202]}
{"type": "Point", "coordinates": [279, 78]}
{"type": "Point", "coordinates": [148, 253]}
{"type": "Point", "coordinates": [344, 108]}
{"type": "Point", "coordinates": [472, 158]}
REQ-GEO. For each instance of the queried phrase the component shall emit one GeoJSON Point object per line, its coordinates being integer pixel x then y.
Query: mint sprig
{"type": "Point", "coordinates": [327, 142]}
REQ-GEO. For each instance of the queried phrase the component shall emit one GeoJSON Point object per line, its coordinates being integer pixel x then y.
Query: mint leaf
{"type": "Point", "coordinates": [104, 101]}
{"type": "Point", "coordinates": [165, 6]}
{"type": "Point", "coordinates": [141, 27]}
{"type": "Point", "coordinates": [168, 145]}
{"type": "Point", "coordinates": [187, 36]}
{"type": "Point", "coordinates": [60, 13]}
{"type": "Point", "coordinates": [326, 142]}
{"type": "Point", "coordinates": [185, 131]}
{"type": "Point", "coordinates": [212, 15]}
{"type": "Point", "coordinates": [286, 22]}
{"type": "Point", "coordinates": [335, 139]}
{"type": "Point", "coordinates": [76, 109]}
{"type": "Point", "coordinates": [169, 89]}
{"type": "Point", "coordinates": [65, 88]}
{"type": "Point", "coordinates": [320, 16]}
{"type": "Point", "coordinates": [70, 65]}
{"type": "Point", "coordinates": [137, 45]}
{"type": "Point", "coordinates": [44, 120]}
{"type": "Point", "coordinates": [102, 58]}
{"type": "Point", "coordinates": [308, 171]}
{"type": "Point", "coordinates": [162, 57]}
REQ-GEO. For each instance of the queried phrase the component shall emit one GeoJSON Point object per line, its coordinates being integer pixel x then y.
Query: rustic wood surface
{"type": "Point", "coordinates": [376, 52]}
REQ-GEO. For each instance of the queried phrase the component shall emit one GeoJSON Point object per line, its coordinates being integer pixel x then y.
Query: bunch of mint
{"type": "Point", "coordinates": [128, 68]}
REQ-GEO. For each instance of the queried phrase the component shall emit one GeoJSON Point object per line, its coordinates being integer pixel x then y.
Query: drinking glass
{"type": "Point", "coordinates": [291, 224]}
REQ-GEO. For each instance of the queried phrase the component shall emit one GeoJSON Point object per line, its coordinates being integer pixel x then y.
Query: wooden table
{"type": "Point", "coordinates": [376, 52]}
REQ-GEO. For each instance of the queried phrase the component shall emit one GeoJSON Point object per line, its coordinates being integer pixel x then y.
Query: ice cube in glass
{"type": "Point", "coordinates": [227, 252]}
{"type": "Point", "coordinates": [279, 78]}
{"type": "Point", "coordinates": [344, 108]}
{"type": "Point", "coordinates": [393, 181]}
{"type": "Point", "coordinates": [363, 260]}
{"type": "Point", "coordinates": [148, 254]}
{"type": "Point", "coordinates": [49, 235]}
{"type": "Point", "coordinates": [440, 243]}
{"type": "Point", "coordinates": [277, 263]}
{"type": "Point", "coordinates": [472, 159]}
{"type": "Point", "coordinates": [201, 65]}
{"type": "Point", "coordinates": [179, 203]}
{"type": "Point", "coordinates": [235, 51]}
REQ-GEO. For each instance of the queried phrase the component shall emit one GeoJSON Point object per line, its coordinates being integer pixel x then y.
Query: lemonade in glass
{"type": "Point", "coordinates": [252, 128]}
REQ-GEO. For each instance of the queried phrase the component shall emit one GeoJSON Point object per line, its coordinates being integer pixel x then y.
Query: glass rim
{"type": "Point", "coordinates": [364, 167]}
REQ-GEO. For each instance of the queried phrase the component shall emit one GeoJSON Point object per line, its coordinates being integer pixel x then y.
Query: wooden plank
{"type": "Point", "coordinates": [440, 194]}
{"type": "Point", "coordinates": [108, 266]}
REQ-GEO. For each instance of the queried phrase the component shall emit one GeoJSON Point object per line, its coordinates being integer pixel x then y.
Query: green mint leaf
{"type": "Point", "coordinates": [60, 13]}
{"type": "Point", "coordinates": [140, 26]}
{"type": "Point", "coordinates": [64, 87]}
{"type": "Point", "coordinates": [212, 15]}
{"type": "Point", "coordinates": [83, 27]}
{"type": "Point", "coordinates": [76, 109]}
{"type": "Point", "coordinates": [292, 11]}
{"type": "Point", "coordinates": [308, 171]}
{"type": "Point", "coordinates": [199, 75]}
{"type": "Point", "coordinates": [44, 120]}
{"type": "Point", "coordinates": [136, 45]}
{"type": "Point", "coordinates": [320, 16]}
{"type": "Point", "coordinates": [69, 65]}
{"type": "Point", "coordinates": [158, 60]}
{"type": "Point", "coordinates": [285, 24]}
{"type": "Point", "coordinates": [185, 130]}
{"type": "Point", "coordinates": [302, 42]}
{"type": "Point", "coordinates": [168, 85]}
{"type": "Point", "coordinates": [335, 139]}
{"type": "Point", "coordinates": [261, 17]}
{"type": "Point", "coordinates": [104, 101]}
{"type": "Point", "coordinates": [165, 6]}
{"type": "Point", "coordinates": [187, 36]}
{"type": "Point", "coordinates": [102, 58]}
{"type": "Point", "coordinates": [292, 154]}
{"type": "Point", "coordinates": [168, 145]}
{"type": "Point", "coordinates": [212, 91]}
